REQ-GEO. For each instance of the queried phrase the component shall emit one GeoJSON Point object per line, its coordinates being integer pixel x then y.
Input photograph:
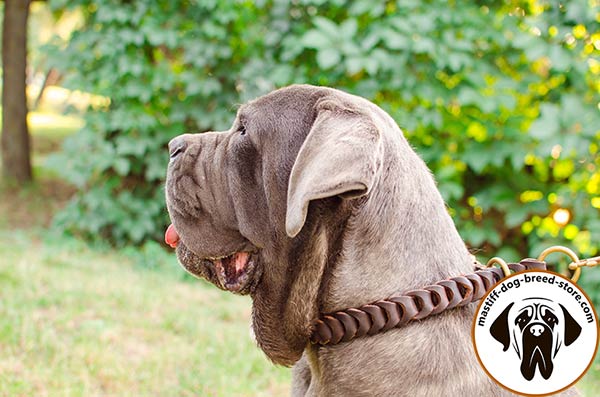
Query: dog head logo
{"type": "Point", "coordinates": [535, 333]}
{"type": "Point", "coordinates": [537, 328]}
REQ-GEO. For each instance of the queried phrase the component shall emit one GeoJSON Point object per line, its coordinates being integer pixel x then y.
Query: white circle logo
{"type": "Point", "coordinates": [535, 333]}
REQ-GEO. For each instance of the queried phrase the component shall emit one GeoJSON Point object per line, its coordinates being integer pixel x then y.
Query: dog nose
{"type": "Point", "coordinates": [177, 146]}
{"type": "Point", "coordinates": [536, 330]}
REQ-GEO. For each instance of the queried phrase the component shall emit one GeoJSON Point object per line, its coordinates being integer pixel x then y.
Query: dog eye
{"type": "Point", "coordinates": [242, 129]}
{"type": "Point", "coordinates": [522, 318]}
{"type": "Point", "coordinates": [550, 318]}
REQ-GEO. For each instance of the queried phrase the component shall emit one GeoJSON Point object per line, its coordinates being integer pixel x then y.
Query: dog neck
{"type": "Point", "coordinates": [401, 238]}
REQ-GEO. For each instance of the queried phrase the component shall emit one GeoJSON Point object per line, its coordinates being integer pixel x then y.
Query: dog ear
{"type": "Point", "coordinates": [499, 328]}
{"type": "Point", "coordinates": [339, 157]}
{"type": "Point", "coordinates": [572, 327]}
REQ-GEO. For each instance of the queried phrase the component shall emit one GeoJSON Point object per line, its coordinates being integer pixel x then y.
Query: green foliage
{"type": "Point", "coordinates": [500, 98]}
{"type": "Point", "coordinates": [164, 74]}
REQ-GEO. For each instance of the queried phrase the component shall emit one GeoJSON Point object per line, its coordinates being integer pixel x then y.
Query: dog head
{"type": "Point", "coordinates": [536, 328]}
{"type": "Point", "coordinates": [259, 208]}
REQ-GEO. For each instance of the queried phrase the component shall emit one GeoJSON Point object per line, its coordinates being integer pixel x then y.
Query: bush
{"type": "Point", "coordinates": [165, 74]}
{"type": "Point", "coordinates": [500, 98]}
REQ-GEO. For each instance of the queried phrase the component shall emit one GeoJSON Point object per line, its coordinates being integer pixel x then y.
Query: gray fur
{"type": "Point", "coordinates": [342, 212]}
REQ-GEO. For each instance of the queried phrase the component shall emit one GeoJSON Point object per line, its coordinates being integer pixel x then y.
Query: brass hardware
{"type": "Point", "coordinates": [567, 251]}
{"type": "Point", "coordinates": [501, 262]}
{"type": "Point", "coordinates": [589, 262]}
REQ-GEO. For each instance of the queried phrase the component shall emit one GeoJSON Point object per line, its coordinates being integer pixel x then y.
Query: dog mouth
{"type": "Point", "coordinates": [537, 353]}
{"type": "Point", "coordinates": [236, 272]}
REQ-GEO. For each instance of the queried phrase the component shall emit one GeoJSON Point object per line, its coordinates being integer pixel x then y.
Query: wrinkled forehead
{"type": "Point", "coordinates": [534, 306]}
{"type": "Point", "coordinates": [286, 103]}
{"type": "Point", "coordinates": [285, 111]}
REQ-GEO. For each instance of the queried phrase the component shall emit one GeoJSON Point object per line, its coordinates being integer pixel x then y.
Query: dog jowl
{"type": "Point", "coordinates": [537, 328]}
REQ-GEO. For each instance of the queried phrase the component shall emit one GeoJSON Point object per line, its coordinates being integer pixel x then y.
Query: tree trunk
{"type": "Point", "coordinates": [16, 163]}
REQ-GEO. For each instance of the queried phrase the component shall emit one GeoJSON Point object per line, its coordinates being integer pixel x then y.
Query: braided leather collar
{"type": "Point", "coordinates": [396, 311]}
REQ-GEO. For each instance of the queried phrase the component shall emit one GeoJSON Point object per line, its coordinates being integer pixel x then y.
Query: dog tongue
{"type": "Point", "coordinates": [171, 236]}
{"type": "Point", "coordinates": [241, 259]}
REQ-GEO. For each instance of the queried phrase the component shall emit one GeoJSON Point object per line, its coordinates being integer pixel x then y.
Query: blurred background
{"type": "Point", "coordinates": [501, 99]}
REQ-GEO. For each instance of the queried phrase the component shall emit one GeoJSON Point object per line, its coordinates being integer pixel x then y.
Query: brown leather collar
{"type": "Point", "coordinates": [396, 311]}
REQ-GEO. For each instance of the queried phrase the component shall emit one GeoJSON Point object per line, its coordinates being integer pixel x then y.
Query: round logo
{"type": "Point", "coordinates": [535, 333]}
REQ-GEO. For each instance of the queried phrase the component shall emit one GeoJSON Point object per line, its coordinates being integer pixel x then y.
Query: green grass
{"type": "Point", "coordinates": [88, 321]}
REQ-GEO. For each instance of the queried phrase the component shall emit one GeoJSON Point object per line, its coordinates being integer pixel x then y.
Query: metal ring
{"type": "Point", "coordinates": [563, 250]}
{"type": "Point", "coordinates": [500, 262]}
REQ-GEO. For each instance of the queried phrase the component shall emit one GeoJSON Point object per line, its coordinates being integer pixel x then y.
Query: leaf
{"type": "Point", "coordinates": [517, 157]}
{"type": "Point", "coordinates": [475, 236]}
{"type": "Point", "coordinates": [476, 160]}
{"type": "Point", "coordinates": [354, 65]}
{"type": "Point", "coordinates": [451, 190]}
{"type": "Point", "coordinates": [536, 50]}
{"type": "Point", "coordinates": [516, 216]}
{"type": "Point", "coordinates": [328, 57]}
{"type": "Point", "coordinates": [121, 165]}
{"type": "Point", "coordinates": [369, 41]}
{"type": "Point", "coordinates": [326, 26]}
{"type": "Point", "coordinates": [394, 40]}
{"type": "Point", "coordinates": [315, 39]}
{"type": "Point", "coordinates": [371, 65]}
{"type": "Point", "coordinates": [361, 7]}
{"type": "Point", "coordinates": [348, 28]}
{"type": "Point", "coordinates": [559, 58]}
{"type": "Point", "coordinates": [468, 96]}
{"type": "Point", "coordinates": [455, 61]}
{"type": "Point", "coordinates": [509, 254]}
{"type": "Point", "coordinates": [548, 124]}
{"type": "Point", "coordinates": [424, 45]}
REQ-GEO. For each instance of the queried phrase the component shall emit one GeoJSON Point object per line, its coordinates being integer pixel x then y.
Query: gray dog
{"type": "Point", "coordinates": [314, 202]}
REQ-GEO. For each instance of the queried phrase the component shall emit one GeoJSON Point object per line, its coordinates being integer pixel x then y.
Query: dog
{"type": "Point", "coordinates": [537, 328]}
{"type": "Point", "coordinates": [313, 201]}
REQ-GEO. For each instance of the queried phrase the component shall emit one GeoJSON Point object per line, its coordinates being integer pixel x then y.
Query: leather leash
{"type": "Point", "coordinates": [397, 311]}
